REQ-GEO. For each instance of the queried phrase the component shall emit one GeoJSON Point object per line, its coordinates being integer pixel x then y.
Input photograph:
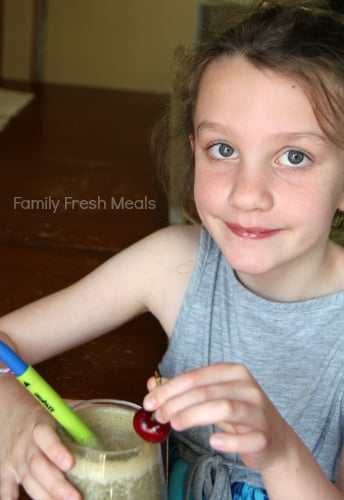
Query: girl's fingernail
{"type": "Point", "coordinates": [216, 441]}
{"type": "Point", "coordinates": [149, 403]}
{"type": "Point", "coordinates": [70, 496]}
{"type": "Point", "coordinates": [64, 463]}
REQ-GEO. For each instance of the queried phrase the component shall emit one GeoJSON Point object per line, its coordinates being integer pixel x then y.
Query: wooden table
{"type": "Point", "coordinates": [87, 149]}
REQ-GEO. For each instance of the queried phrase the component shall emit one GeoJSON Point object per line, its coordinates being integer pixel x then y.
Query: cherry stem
{"type": "Point", "coordinates": [157, 377]}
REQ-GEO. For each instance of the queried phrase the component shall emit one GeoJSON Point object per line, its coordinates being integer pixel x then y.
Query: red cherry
{"type": "Point", "coordinates": [149, 428]}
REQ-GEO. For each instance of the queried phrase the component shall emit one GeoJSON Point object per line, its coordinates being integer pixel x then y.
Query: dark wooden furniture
{"type": "Point", "coordinates": [85, 145]}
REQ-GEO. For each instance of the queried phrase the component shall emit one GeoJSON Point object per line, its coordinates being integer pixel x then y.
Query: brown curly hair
{"type": "Point", "coordinates": [299, 38]}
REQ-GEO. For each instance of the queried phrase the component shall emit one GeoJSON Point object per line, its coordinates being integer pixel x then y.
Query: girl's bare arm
{"type": "Point", "coordinates": [151, 275]}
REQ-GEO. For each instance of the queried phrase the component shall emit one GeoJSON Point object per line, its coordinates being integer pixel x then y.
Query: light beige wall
{"type": "Point", "coordinates": [125, 44]}
{"type": "Point", "coordinates": [17, 37]}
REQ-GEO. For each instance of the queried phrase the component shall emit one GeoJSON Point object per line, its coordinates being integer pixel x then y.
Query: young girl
{"type": "Point", "coordinates": [251, 294]}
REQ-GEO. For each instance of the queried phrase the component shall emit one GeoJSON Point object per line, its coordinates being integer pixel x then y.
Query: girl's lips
{"type": "Point", "coordinates": [252, 233]}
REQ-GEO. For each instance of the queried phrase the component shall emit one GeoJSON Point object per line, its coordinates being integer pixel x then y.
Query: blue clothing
{"type": "Point", "coordinates": [294, 350]}
{"type": "Point", "coordinates": [243, 491]}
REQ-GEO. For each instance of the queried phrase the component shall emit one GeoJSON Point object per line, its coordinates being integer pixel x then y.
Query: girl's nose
{"type": "Point", "coordinates": [250, 190]}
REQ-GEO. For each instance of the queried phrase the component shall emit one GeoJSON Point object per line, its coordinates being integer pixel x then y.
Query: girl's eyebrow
{"type": "Point", "coordinates": [290, 136]}
{"type": "Point", "coordinates": [307, 134]}
{"type": "Point", "coordinates": [206, 125]}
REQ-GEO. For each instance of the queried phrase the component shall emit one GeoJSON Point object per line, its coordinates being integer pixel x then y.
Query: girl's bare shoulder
{"type": "Point", "coordinates": [171, 254]}
{"type": "Point", "coordinates": [176, 245]}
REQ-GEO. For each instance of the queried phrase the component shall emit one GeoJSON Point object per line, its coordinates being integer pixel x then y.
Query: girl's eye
{"type": "Point", "coordinates": [222, 150]}
{"type": "Point", "coordinates": [294, 158]}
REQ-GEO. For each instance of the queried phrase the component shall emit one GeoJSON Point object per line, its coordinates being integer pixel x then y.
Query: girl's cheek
{"type": "Point", "coordinates": [207, 195]}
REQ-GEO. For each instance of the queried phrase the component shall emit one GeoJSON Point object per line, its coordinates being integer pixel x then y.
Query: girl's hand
{"type": "Point", "coordinates": [31, 453]}
{"type": "Point", "coordinates": [225, 394]}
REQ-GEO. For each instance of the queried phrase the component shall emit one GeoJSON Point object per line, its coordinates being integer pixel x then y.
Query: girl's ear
{"type": "Point", "coordinates": [192, 142]}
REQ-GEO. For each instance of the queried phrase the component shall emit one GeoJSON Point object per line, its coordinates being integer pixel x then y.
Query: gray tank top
{"type": "Point", "coordinates": [294, 350]}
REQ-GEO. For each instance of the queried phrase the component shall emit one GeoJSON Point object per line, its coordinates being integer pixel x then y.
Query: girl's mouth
{"type": "Point", "coordinates": [252, 233]}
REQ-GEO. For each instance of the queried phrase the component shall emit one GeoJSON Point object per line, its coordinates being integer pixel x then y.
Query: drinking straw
{"type": "Point", "coordinates": [47, 397]}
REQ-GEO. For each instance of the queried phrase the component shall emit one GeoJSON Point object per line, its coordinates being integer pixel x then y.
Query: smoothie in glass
{"type": "Point", "coordinates": [125, 466]}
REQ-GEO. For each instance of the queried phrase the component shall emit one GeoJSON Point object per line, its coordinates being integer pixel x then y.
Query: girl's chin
{"type": "Point", "coordinates": [253, 263]}
{"type": "Point", "coordinates": [250, 270]}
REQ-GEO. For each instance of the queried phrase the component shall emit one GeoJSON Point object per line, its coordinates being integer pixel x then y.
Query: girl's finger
{"type": "Point", "coordinates": [251, 442]}
{"type": "Point", "coordinates": [152, 382]}
{"type": "Point", "coordinates": [9, 483]}
{"type": "Point", "coordinates": [230, 392]}
{"type": "Point", "coordinates": [208, 375]}
{"type": "Point", "coordinates": [48, 441]}
{"type": "Point", "coordinates": [34, 489]}
{"type": "Point", "coordinates": [241, 415]}
{"type": "Point", "coordinates": [54, 483]}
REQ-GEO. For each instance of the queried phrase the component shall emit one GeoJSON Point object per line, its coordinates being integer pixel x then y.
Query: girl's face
{"type": "Point", "coordinates": [267, 180]}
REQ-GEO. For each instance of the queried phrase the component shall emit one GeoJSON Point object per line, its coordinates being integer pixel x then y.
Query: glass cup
{"type": "Point", "coordinates": [127, 467]}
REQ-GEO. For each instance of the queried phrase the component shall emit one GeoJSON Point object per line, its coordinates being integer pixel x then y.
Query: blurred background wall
{"type": "Point", "coordinates": [118, 44]}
